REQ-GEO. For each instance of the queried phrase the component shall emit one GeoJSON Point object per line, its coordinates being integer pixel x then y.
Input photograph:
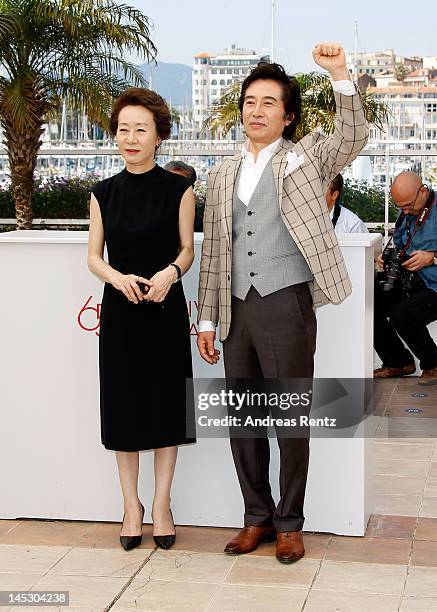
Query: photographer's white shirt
{"type": "Point", "coordinates": [348, 222]}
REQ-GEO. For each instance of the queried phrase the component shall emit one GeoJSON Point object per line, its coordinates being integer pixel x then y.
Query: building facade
{"type": "Point", "coordinates": [411, 125]}
{"type": "Point", "coordinates": [213, 74]}
{"type": "Point", "coordinates": [380, 61]}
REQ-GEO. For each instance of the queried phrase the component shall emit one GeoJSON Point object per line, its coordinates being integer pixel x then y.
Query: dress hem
{"type": "Point", "coordinates": [136, 450]}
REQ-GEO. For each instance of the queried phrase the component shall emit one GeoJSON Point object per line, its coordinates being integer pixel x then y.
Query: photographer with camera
{"type": "Point", "coordinates": [406, 290]}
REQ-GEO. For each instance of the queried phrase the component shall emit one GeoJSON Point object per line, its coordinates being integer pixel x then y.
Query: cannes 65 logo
{"type": "Point", "coordinates": [88, 317]}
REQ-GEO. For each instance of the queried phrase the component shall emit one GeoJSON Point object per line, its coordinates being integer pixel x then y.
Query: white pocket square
{"type": "Point", "coordinates": [293, 162]}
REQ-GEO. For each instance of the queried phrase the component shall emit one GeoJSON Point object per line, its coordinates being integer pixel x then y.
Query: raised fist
{"type": "Point", "coordinates": [331, 57]}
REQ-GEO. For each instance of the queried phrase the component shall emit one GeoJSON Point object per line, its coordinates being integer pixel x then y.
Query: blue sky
{"type": "Point", "coordinates": [186, 27]}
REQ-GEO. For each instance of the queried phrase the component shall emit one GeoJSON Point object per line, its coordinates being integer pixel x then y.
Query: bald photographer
{"type": "Point", "coordinates": [406, 290]}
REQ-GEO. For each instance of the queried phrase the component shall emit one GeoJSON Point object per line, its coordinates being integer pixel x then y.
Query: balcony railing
{"type": "Point", "coordinates": [386, 159]}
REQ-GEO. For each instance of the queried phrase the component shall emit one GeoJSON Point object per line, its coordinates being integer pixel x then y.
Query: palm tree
{"type": "Point", "coordinates": [61, 50]}
{"type": "Point", "coordinates": [318, 108]}
{"type": "Point", "coordinates": [401, 72]}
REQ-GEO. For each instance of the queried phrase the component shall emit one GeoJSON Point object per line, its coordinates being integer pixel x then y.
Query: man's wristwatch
{"type": "Point", "coordinates": [435, 258]}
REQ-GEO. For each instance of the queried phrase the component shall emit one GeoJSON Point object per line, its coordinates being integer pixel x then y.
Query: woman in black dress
{"type": "Point", "coordinates": [145, 215]}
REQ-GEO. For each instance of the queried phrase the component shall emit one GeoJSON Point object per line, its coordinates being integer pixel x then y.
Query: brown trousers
{"type": "Point", "coordinates": [272, 337]}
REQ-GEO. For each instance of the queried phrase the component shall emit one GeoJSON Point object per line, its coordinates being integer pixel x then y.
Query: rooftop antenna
{"type": "Point", "coordinates": [272, 49]}
{"type": "Point", "coordinates": [355, 53]}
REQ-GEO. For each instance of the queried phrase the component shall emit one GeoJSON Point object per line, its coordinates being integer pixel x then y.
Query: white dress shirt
{"type": "Point", "coordinates": [348, 222]}
{"type": "Point", "coordinates": [252, 170]}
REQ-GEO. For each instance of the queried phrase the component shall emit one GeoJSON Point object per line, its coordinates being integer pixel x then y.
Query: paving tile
{"type": "Point", "coordinates": [203, 539]}
{"type": "Point", "coordinates": [411, 427]}
{"type": "Point", "coordinates": [399, 485]}
{"type": "Point", "coordinates": [408, 399]}
{"type": "Point", "coordinates": [91, 593]}
{"type": "Point", "coordinates": [29, 559]}
{"type": "Point", "coordinates": [332, 601]}
{"type": "Point", "coordinates": [107, 535]}
{"type": "Point", "coordinates": [236, 598]}
{"type": "Point", "coordinates": [379, 409]}
{"type": "Point", "coordinates": [401, 410]}
{"type": "Point", "coordinates": [408, 440]}
{"type": "Point", "coordinates": [389, 526]}
{"type": "Point", "coordinates": [401, 467]}
{"type": "Point", "coordinates": [179, 566]}
{"type": "Point", "coordinates": [100, 562]}
{"type": "Point", "coordinates": [401, 505]}
{"type": "Point", "coordinates": [411, 452]}
{"type": "Point", "coordinates": [6, 525]}
{"type": "Point", "coordinates": [418, 604]}
{"type": "Point", "coordinates": [47, 533]}
{"type": "Point", "coordinates": [165, 596]}
{"type": "Point", "coordinates": [424, 553]}
{"type": "Point", "coordinates": [426, 529]}
{"type": "Point", "coordinates": [386, 385]}
{"type": "Point", "coordinates": [369, 550]}
{"type": "Point", "coordinates": [17, 581]}
{"type": "Point", "coordinates": [421, 582]}
{"type": "Point", "coordinates": [429, 507]}
{"type": "Point", "coordinates": [267, 571]}
{"type": "Point", "coordinates": [431, 487]}
{"type": "Point", "coordinates": [360, 577]}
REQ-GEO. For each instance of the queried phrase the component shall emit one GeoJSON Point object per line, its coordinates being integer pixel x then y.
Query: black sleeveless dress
{"type": "Point", "coordinates": [144, 348]}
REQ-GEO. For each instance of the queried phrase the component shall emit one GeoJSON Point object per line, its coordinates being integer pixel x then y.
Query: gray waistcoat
{"type": "Point", "coordinates": [263, 252]}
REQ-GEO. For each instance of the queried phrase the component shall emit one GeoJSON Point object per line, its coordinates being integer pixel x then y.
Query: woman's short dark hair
{"type": "Point", "coordinates": [290, 92]}
{"type": "Point", "coordinates": [138, 96]}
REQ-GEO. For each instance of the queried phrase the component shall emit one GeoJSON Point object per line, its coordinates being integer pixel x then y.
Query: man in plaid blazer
{"type": "Point", "coordinates": [269, 257]}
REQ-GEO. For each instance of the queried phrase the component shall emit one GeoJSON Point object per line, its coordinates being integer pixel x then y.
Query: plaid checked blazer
{"type": "Point", "coordinates": [303, 209]}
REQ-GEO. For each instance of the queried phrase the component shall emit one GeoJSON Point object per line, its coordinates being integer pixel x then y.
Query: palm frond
{"type": "Point", "coordinates": [318, 108]}
{"type": "Point", "coordinates": [224, 114]}
{"type": "Point", "coordinates": [18, 102]}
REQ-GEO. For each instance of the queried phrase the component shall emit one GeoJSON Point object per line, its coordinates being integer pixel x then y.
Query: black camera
{"type": "Point", "coordinates": [395, 276]}
{"type": "Point", "coordinates": [393, 268]}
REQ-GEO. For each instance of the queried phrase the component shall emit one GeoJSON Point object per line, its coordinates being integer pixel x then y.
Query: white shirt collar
{"type": "Point", "coordinates": [265, 153]}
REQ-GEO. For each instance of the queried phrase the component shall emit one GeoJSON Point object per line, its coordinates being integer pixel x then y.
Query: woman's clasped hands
{"type": "Point", "coordinates": [161, 283]}
{"type": "Point", "coordinates": [154, 290]}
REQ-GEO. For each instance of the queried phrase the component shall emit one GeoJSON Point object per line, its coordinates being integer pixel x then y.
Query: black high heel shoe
{"type": "Point", "coordinates": [166, 541]}
{"type": "Point", "coordinates": [130, 542]}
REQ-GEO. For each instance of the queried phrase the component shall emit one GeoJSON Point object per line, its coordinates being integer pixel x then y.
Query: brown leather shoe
{"type": "Point", "coordinates": [289, 547]}
{"type": "Point", "coordinates": [248, 538]}
{"type": "Point", "coordinates": [394, 372]}
{"type": "Point", "coordinates": [428, 377]}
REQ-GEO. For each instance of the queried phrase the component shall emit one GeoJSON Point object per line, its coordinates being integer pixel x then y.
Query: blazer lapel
{"type": "Point", "coordinates": [227, 185]}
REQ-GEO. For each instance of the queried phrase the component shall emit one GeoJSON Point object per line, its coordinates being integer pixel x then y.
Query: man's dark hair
{"type": "Point", "coordinates": [336, 184]}
{"type": "Point", "coordinates": [182, 168]}
{"type": "Point", "coordinates": [290, 92]}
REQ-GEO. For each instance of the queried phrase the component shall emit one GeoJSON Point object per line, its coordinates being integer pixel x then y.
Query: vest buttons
{"type": "Point", "coordinates": [249, 233]}
{"type": "Point", "coordinates": [250, 253]}
{"type": "Point", "coordinates": [252, 274]}
{"type": "Point", "coordinates": [249, 212]}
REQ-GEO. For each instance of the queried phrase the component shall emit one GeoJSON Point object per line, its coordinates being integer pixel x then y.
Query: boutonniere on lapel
{"type": "Point", "coordinates": [293, 162]}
